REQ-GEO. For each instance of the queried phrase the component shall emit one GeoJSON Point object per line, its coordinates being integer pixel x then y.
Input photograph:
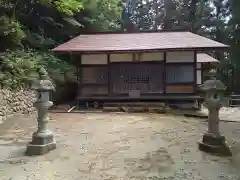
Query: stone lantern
{"type": "Point", "coordinates": [43, 139]}
{"type": "Point", "coordinates": [212, 141]}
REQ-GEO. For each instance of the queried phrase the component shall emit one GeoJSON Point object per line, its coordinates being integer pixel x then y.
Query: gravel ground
{"type": "Point", "coordinates": [227, 113]}
{"type": "Point", "coordinates": [117, 146]}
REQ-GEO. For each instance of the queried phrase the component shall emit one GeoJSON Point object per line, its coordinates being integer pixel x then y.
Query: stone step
{"type": "Point", "coordinates": [133, 104]}
{"type": "Point", "coordinates": [136, 107]}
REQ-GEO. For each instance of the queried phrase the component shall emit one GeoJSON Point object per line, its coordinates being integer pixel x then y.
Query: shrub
{"type": "Point", "coordinates": [19, 68]}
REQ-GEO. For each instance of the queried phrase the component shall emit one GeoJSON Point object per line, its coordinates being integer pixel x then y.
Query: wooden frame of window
{"type": "Point", "coordinates": [180, 65]}
{"type": "Point", "coordinates": [182, 87]}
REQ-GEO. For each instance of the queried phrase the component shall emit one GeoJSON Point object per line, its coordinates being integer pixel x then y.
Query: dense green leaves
{"type": "Point", "coordinates": [11, 33]}
{"type": "Point", "coordinates": [41, 25]}
{"type": "Point", "coordinates": [68, 7]}
{"type": "Point", "coordinates": [19, 68]}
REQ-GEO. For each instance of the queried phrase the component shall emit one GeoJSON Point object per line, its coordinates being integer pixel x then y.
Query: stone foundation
{"type": "Point", "coordinates": [214, 145]}
{"type": "Point", "coordinates": [41, 144]}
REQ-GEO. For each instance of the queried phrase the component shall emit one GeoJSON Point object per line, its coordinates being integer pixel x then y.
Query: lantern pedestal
{"type": "Point", "coordinates": [212, 141]}
{"type": "Point", "coordinates": [42, 140]}
{"type": "Point", "coordinates": [214, 144]}
{"type": "Point", "coordinates": [42, 143]}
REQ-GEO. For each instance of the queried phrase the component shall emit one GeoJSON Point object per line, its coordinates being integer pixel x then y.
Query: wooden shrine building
{"type": "Point", "coordinates": [161, 66]}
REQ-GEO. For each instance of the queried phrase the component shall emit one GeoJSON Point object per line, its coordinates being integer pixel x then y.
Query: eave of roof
{"type": "Point", "coordinates": [205, 58]}
{"type": "Point", "coordinates": [144, 41]}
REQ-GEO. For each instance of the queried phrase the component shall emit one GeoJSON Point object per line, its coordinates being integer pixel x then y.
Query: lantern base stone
{"type": "Point", "coordinates": [41, 144]}
{"type": "Point", "coordinates": [215, 145]}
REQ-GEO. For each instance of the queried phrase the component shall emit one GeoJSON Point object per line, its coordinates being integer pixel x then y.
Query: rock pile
{"type": "Point", "coordinates": [16, 101]}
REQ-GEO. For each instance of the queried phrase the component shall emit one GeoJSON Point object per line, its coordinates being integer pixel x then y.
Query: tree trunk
{"type": "Point", "coordinates": [127, 24]}
{"type": "Point", "coordinates": [155, 26]}
{"type": "Point", "coordinates": [167, 20]}
{"type": "Point", "coordinates": [219, 34]}
{"type": "Point", "coordinates": [192, 15]}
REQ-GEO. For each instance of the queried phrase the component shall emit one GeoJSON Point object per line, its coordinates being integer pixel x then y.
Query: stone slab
{"type": "Point", "coordinates": [214, 145]}
{"type": "Point", "coordinates": [34, 150]}
{"type": "Point", "coordinates": [222, 150]}
{"type": "Point", "coordinates": [41, 141]}
{"type": "Point", "coordinates": [41, 144]}
{"type": "Point", "coordinates": [159, 110]}
{"type": "Point", "coordinates": [111, 109]}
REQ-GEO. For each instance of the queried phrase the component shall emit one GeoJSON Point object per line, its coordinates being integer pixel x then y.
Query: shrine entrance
{"type": "Point", "coordinates": [143, 78]}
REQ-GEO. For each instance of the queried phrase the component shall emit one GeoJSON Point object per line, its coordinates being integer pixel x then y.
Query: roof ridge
{"type": "Point", "coordinates": [136, 32]}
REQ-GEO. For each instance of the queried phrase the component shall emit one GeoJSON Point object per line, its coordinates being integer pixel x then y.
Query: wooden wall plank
{"type": "Point", "coordinates": [179, 89]}
{"type": "Point", "coordinates": [121, 57]}
{"type": "Point", "coordinates": [154, 56]}
{"type": "Point", "coordinates": [94, 59]}
{"type": "Point", "coordinates": [89, 90]}
{"type": "Point", "coordinates": [180, 57]}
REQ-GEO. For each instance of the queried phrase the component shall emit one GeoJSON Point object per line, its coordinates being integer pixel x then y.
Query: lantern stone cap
{"type": "Point", "coordinates": [43, 84]}
{"type": "Point", "coordinates": [213, 85]}
{"type": "Point", "coordinates": [212, 73]}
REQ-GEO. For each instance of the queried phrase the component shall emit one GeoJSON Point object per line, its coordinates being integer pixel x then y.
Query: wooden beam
{"type": "Point", "coordinates": [195, 72]}
{"type": "Point", "coordinates": [180, 89]}
{"type": "Point", "coordinates": [109, 74]}
{"type": "Point", "coordinates": [164, 71]}
{"type": "Point", "coordinates": [77, 62]}
{"type": "Point", "coordinates": [80, 75]}
{"type": "Point", "coordinates": [133, 56]}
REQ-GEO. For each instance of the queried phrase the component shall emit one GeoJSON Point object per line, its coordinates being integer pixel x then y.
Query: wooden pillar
{"type": "Point", "coordinates": [195, 72]}
{"type": "Point", "coordinates": [201, 70]}
{"type": "Point", "coordinates": [164, 71]}
{"type": "Point", "coordinates": [134, 57]}
{"type": "Point", "coordinates": [109, 74]}
{"type": "Point", "coordinates": [76, 59]}
{"type": "Point", "coordinates": [79, 64]}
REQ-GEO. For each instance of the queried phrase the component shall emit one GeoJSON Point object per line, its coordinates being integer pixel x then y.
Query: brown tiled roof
{"type": "Point", "coordinates": [205, 58]}
{"type": "Point", "coordinates": [147, 41]}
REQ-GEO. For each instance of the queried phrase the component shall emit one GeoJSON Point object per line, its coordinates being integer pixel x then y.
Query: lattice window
{"type": "Point", "coordinates": [147, 78]}
{"type": "Point", "coordinates": [136, 79]}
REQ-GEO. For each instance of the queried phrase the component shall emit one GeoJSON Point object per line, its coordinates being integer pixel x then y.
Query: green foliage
{"type": "Point", "coordinates": [11, 32]}
{"type": "Point", "coordinates": [100, 15]}
{"type": "Point", "coordinates": [68, 7]}
{"type": "Point", "coordinates": [56, 67]}
{"type": "Point", "coordinates": [234, 23]}
{"type": "Point", "coordinates": [19, 68]}
{"type": "Point", "coordinates": [41, 25]}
